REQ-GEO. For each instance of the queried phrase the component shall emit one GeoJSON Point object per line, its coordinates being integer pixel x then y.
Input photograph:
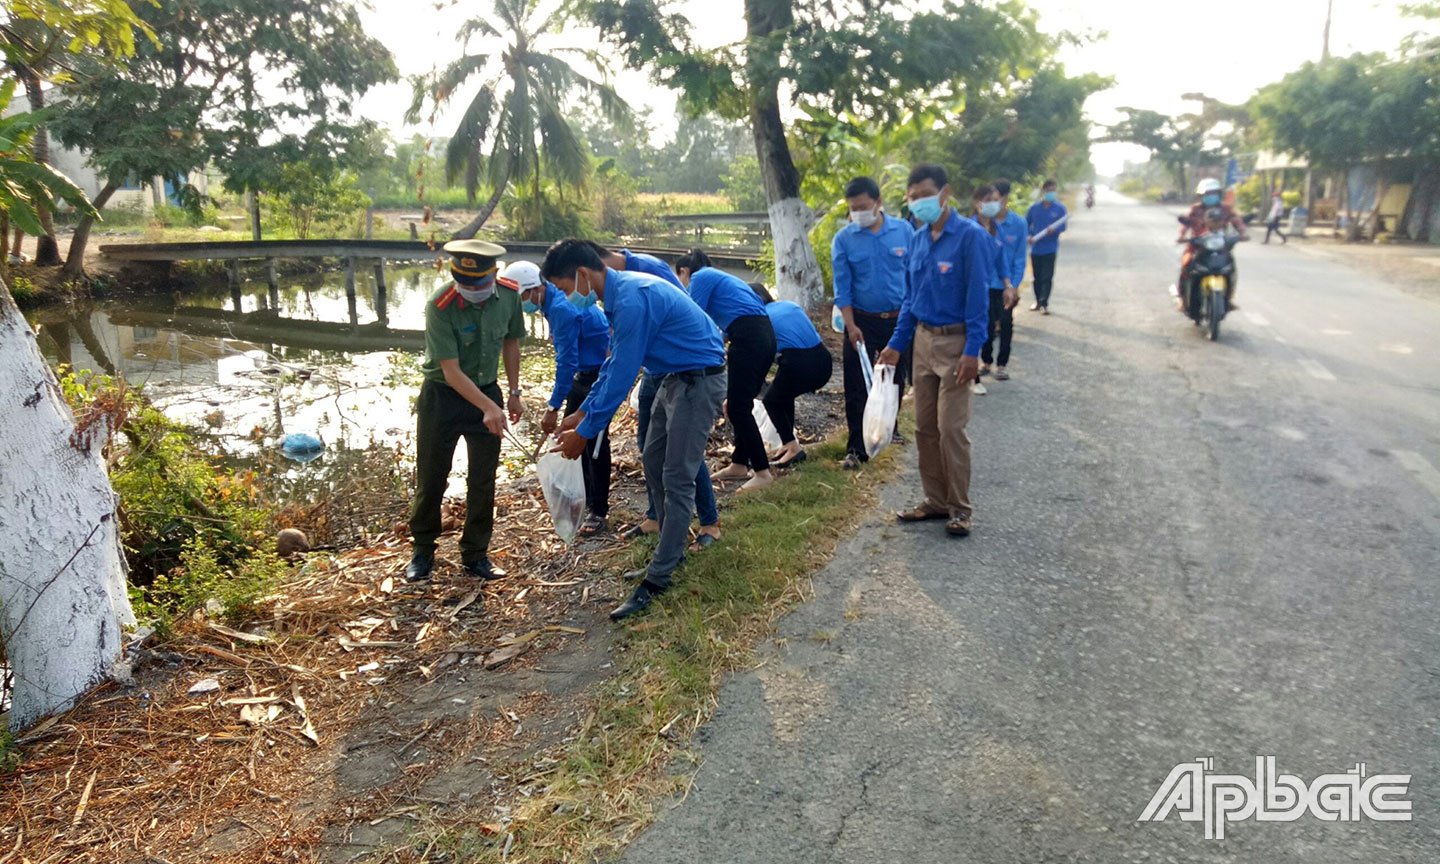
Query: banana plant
{"type": "Point", "coordinates": [27, 186]}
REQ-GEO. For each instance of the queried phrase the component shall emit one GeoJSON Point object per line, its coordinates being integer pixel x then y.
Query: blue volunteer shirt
{"type": "Point", "coordinates": [869, 267]}
{"type": "Point", "coordinates": [639, 262]}
{"type": "Point", "coordinates": [1013, 231]}
{"type": "Point", "coordinates": [580, 338]}
{"type": "Point", "coordinates": [947, 281]}
{"type": "Point", "coordinates": [655, 325]}
{"type": "Point", "coordinates": [792, 326]}
{"type": "Point", "coordinates": [1042, 216]}
{"type": "Point", "coordinates": [724, 297]}
{"type": "Point", "coordinates": [998, 261]}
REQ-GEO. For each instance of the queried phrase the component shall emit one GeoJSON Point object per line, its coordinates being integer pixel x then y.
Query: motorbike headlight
{"type": "Point", "coordinates": [1215, 243]}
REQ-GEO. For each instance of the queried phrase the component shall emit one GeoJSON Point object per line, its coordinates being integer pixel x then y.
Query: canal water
{"type": "Point", "coordinates": [251, 366]}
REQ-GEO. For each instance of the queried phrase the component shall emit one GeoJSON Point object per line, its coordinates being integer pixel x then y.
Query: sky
{"type": "Point", "coordinates": [1154, 49]}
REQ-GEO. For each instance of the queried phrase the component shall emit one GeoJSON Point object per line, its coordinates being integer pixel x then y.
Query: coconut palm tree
{"type": "Point", "coordinates": [518, 112]}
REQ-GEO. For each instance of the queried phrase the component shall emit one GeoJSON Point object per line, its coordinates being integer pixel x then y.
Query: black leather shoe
{"type": "Point", "coordinates": [420, 567]}
{"type": "Point", "coordinates": [638, 602]}
{"type": "Point", "coordinates": [481, 568]}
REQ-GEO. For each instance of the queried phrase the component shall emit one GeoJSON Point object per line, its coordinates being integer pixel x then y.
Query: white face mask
{"type": "Point", "coordinates": [864, 218]}
{"type": "Point", "coordinates": [475, 295]}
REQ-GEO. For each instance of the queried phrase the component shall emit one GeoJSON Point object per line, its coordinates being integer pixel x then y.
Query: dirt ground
{"type": "Point", "coordinates": [1411, 267]}
{"type": "Point", "coordinates": [355, 714]}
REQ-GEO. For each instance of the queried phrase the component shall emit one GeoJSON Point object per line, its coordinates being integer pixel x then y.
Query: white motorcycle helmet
{"type": "Point", "coordinates": [1208, 185]}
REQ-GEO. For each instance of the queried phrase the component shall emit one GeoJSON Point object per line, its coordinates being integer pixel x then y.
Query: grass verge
{"type": "Point", "coordinates": [670, 664]}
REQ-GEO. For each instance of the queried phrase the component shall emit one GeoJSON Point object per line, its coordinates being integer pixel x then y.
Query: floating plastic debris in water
{"type": "Point", "coordinates": [302, 447]}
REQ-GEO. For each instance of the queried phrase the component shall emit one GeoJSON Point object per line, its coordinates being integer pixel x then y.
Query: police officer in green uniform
{"type": "Point", "coordinates": [469, 325]}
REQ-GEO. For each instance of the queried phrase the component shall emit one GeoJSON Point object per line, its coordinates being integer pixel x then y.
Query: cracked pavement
{"type": "Point", "coordinates": [1182, 549]}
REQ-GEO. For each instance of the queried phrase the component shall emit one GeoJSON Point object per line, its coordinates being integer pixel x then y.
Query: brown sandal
{"type": "Point", "coordinates": [920, 514]}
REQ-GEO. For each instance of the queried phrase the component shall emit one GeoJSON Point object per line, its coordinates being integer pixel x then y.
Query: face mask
{"type": "Point", "coordinates": [927, 210]}
{"type": "Point", "coordinates": [582, 301]}
{"type": "Point", "coordinates": [1051, 197]}
{"type": "Point", "coordinates": [530, 308]}
{"type": "Point", "coordinates": [864, 218]}
{"type": "Point", "coordinates": [475, 295]}
{"type": "Point", "coordinates": [990, 209]}
{"type": "Point", "coordinates": [1210, 200]}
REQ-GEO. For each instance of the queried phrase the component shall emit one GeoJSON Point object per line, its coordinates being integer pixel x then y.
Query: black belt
{"type": "Point", "coordinates": [882, 315]}
{"type": "Point", "coordinates": [701, 373]}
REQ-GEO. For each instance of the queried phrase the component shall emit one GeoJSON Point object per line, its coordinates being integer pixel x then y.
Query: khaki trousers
{"type": "Point", "coordinates": [942, 410]}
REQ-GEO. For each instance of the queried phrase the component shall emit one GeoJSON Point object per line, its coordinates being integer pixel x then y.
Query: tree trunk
{"type": "Point", "coordinates": [47, 250]}
{"type": "Point", "coordinates": [75, 259]}
{"type": "Point", "coordinates": [485, 213]}
{"type": "Point", "coordinates": [797, 273]}
{"type": "Point", "coordinates": [254, 201]}
{"type": "Point", "coordinates": [63, 596]}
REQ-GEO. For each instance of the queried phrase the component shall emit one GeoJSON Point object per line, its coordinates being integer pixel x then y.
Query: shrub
{"type": "Point", "coordinates": [192, 530]}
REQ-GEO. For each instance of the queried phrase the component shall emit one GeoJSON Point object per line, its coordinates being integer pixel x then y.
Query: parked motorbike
{"type": "Point", "coordinates": [1211, 270]}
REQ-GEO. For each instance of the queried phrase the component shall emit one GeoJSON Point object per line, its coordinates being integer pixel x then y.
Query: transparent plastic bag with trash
{"type": "Point", "coordinates": [837, 321]}
{"type": "Point", "coordinates": [768, 432]}
{"type": "Point", "coordinates": [881, 409]}
{"type": "Point", "coordinates": [563, 483]}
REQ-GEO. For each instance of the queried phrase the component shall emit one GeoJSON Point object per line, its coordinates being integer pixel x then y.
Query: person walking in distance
{"type": "Point", "coordinates": [867, 259]}
{"type": "Point", "coordinates": [1013, 232]}
{"type": "Point", "coordinates": [945, 312]}
{"type": "Point", "coordinates": [1272, 222]}
{"type": "Point", "coordinates": [1003, 296]}
{"type": "Point", "coordinates": [1046, 220]}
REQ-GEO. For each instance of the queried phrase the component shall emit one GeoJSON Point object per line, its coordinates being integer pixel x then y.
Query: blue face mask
{"type": "Point", "coordinates": [1210, 200]}
{"type": "Point", "coordinates": [530, 308]}
{"type": "Point", "coordinates": [1052, 197]}
{"type": "Point", "coordinates": [927, 210]}
{"type": "Point", "coordinates": [990, 209]}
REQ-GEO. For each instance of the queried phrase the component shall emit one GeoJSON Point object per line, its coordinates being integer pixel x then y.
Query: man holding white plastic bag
{"type": "Point", "coordinates": [946, 313]}
{"type": "Point", "coordinates": [867, 260]}
{"type": "Point", "coordinates": [581, 337]}
{"type": "Point", "coordinates": [655, 325]}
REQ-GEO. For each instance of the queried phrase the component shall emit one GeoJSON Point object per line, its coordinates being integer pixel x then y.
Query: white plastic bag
{"type": "Point", "coordinates": [768, 432]}
{"type": "Point", "coordinates": [865, 371]}
{"type": "Point", "coordinates": [563, 482]}
{"type": "Point", "coordinates": [880, 411]}
{"type": "Point", "coordinates": [837, 321]}
{"type": "Point", "coordinates": [635, 398]}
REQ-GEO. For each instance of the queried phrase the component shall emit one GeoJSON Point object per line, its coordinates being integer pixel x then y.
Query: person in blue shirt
{"type": "Point", "coordinates": [1013, 232]}
{"type": "Point", "coordinates": [706, 509]}
{"type": "Point", "coordinates": [581, 337]}
{"type": "Point", "coordinates": [740, 313]}
{"type": "Point", "coordinates": [867, 260]}
{"type": "Point", "coordinates": [945, 313]}
{"type": "Point", "coordinates": [805, 366]}
{"type": "Point", "coordinates": [986, 203]}
{"type": "Point", "coordinates": [657, 326]}
{"type": "Point", "coordinates": [1046, 220]}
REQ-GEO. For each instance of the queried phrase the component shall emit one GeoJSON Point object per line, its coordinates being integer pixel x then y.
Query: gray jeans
{"type": "Point", "coordinates": [684, 411]}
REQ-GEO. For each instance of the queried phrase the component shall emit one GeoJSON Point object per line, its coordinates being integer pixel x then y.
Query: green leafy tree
{"type": "Point", "coordinates": [28, 187]}
{"type": "Point", "coordinates": [38, 38]}
{"type": "Point", "coordinates": [250, 85]}
{"type": "Point", "coordinates": [1349, 111]}
{"type": "Point", "coordinates": [872, 60]}
{"type": "Point", "coordinates": [314, 194]}
{"type": "Point", "coordinates": [519, 111]}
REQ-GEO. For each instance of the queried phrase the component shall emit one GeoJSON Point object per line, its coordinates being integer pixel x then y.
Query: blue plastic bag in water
{"type": "Point", "coordinates": [301, 447]}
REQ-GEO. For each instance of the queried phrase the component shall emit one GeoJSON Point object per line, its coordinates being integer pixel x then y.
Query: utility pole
{"type": "Point", "coordinates": [1329, 11]}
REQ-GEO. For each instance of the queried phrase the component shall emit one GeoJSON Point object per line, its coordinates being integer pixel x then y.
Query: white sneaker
{"type": "Point", "coordinates": [977, 388]}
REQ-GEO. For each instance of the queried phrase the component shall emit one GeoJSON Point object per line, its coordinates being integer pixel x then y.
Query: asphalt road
{"type": "Point", "coordinates": [1183, 549]}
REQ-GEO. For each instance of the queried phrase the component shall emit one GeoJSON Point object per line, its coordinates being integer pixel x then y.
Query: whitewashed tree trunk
{"type": "Point", "coordinates": [797, 273]}
{"type": "Point", "coordinates": [63, 596]}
